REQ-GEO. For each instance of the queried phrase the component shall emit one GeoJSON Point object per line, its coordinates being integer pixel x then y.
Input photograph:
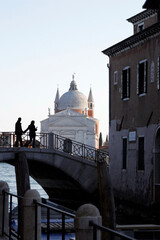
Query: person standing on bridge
{"type": "Point", "coordinates": [18, 132]}
{"type": "Point", "coordinates": [32, 133]}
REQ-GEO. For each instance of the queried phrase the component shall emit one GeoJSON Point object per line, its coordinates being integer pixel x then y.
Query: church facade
{"type": "Point", "coordinates": [73, 117]}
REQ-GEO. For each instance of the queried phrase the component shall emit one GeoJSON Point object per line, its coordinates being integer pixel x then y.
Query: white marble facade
{"type": "Point", "coordinates": [73, 125]}
{"type": "Point", "coordinates": [71, 122]}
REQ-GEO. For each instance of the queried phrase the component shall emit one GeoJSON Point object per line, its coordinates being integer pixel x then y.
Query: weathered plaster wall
{"type": "Point", "coordinates": [130, 183]}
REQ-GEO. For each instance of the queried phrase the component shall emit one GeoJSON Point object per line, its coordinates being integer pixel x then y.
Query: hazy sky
{"type": "Point", "coordinates": [43, 42]}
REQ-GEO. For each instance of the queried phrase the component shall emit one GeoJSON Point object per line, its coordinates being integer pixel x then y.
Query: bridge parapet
{"type": "Point", "coordinates": [57, 142]}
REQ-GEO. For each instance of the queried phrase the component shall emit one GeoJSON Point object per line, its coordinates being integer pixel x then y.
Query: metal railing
{"type": "Point", "coordinates": [8, 139]}
{"type": "Point", "coordinates": [64, 214]}
{"type": "Point", "coordinates": [97, 227]}
{"type": "Point", "coordinates": [13, 233]}
{"type": "Point", "coordinates": [54, 141]}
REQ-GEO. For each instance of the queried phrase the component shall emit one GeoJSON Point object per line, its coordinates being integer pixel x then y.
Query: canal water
{"type": "Point", "coordinates": [7, 173]}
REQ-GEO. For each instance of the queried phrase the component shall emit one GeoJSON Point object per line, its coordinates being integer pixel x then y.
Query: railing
{"type": "Point", "coordinates": [50, 209]}
{"type": "Point", "coordinates": [8, 139]}
{"type": "Point", "coordinates": [54, 141]}
{"type": "Point", "coordinates": [12, 233]}
{"type": "Point", "coordinates": [65, 215]}
{"type": "Point", "coordinates": [97, 227]}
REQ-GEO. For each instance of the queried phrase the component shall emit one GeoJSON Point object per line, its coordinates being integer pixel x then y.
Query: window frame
{"type": "Point", "coordinates": [124, 153]}
{"type": "Point", "coordinates": [115, 77]}
{"type": "Point", "coordinates": [125, 95]}
{"type": "Point", "coordinates": [140, 27]}
{"type": "Point", "coordinates": [141, 155]}
{"type": "Point", "coordinates": [158, 73]}
{"type": "Point", "coordinates": [142, 80]}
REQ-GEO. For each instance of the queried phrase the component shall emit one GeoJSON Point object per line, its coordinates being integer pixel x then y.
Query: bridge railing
{"type": "Point", "coordinates": [78, 149]}
{"type": "Point", "coordinates": [54, 141]}
{"type": "Point", "coordinates": [7, 139]}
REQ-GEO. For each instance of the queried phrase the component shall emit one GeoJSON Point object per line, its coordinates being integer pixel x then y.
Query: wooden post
{"type": "Point", "coordinates": [23, 184]}
{"type": "Point", "coordinates": [106, 198]}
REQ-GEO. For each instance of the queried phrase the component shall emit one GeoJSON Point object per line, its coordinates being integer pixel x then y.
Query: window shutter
{"type": "Point", "coordinates": [158, 73]}
{"type": "Point", "coordinates": [114, 78]}
{"type": "Point", "coordinates": [138, 79]}
{"type": "Point", "coordinates": [128, 82]}
{"type": "Point", "coordinates": [145, 76]}
{"type": "Point", "coordinates": [122, 84]}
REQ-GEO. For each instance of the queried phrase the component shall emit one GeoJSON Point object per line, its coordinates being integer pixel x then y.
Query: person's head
{"type": "Point", "coordinates": [32, 122]}
{"type": "Point", "coordinates": [19, 119]}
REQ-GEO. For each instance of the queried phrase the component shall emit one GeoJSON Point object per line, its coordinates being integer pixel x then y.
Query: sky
{"type": "Point", "coordinates": [43, 42]}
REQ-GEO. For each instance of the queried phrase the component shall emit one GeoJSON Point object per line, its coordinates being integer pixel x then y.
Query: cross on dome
{"type": "Point", "coordinates": [73, 76]}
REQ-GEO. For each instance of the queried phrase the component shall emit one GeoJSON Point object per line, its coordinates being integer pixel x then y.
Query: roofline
{"type": "Point", "coordinates": [152, 4]}
{"type": "Point", "coordinates": [142, 15]}
{"type": "Point", "coordinates": [131, 41]}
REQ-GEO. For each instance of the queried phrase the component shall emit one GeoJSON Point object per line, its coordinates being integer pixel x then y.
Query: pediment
{"type": "Point", "coordinates": [67, 122]}
{"type": "Point", "coordinates": [68, 112]}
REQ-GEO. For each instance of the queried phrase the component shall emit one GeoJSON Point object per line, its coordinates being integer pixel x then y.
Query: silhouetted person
{"type": "Point", "coordinates": [18, 132]}
{"type": "Point", "coordinates": [32, 133]}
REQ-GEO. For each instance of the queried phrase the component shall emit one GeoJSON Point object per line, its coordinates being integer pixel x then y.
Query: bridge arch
{"type": "Point", "coordinates": [68, 180]}
{"type": "Point", "coordinates": [8, 175]}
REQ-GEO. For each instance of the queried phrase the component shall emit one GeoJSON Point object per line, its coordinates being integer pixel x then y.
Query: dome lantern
{"type": "Point", "coordinates": [73, 85]}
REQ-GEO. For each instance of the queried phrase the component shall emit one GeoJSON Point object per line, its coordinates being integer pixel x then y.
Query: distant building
{"type": "Point", "coordinates": [74, 117]}
{"type": "Point", "coordinates": [134, 115]}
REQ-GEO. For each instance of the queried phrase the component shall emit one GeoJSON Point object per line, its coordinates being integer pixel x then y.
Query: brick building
{"type": "Point", "coordinates": [134, 115]}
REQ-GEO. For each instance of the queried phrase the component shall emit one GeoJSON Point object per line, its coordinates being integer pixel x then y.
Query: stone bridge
{"type": "Point", "coordinates": [66, 169]}
{"type": "Point", "coordinates": [67, 179]}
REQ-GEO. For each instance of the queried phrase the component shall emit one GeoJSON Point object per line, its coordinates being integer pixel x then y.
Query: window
{"type": "Point", "coordinates": [140, 27]}
{"type": "Point", "coordinates": [115, 78]}
{"type": "Point", "coordinates": [142, 77]}
{"type": "Point", "coordinates": [125, 82]}
{"type": "Point", "coordinates": [141, 153]}
{"type": "Point", "coordinates": [90, 105]}
{"type": "Point", "coordinates": [158, 73]}
{"type": "Point", "coordinates": [124, 156]}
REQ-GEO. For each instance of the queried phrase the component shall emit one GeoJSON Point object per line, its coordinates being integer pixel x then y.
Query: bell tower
{"type": "Point", "coordinates": [90, 104]}
{"type": "Point", "coordinates": [56, 101]}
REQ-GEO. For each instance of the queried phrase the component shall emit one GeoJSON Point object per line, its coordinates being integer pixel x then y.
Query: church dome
{"type": "Point", "coordinates": [73, 99]}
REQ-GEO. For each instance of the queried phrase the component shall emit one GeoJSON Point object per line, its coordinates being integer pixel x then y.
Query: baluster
{"type": "Point", "coordinates": [63, 226]}
{"type": "Point", "coordinates": [48, 223]}
{"type": "Point", "coordinates": [10, 216]}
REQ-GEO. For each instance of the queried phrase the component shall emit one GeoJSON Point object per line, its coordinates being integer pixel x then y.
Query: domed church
{"type": "Point", "coordinates": [73, 117]}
